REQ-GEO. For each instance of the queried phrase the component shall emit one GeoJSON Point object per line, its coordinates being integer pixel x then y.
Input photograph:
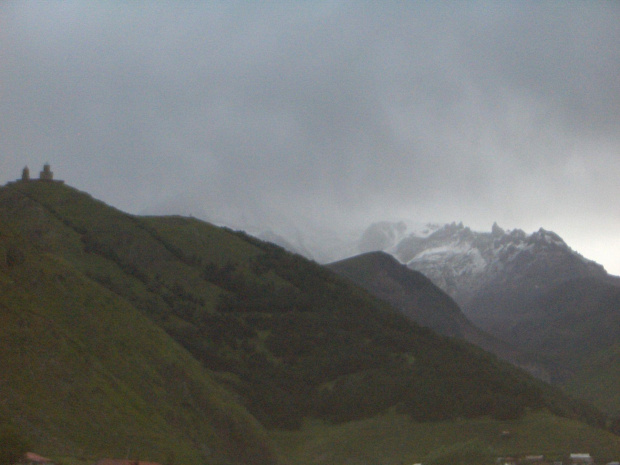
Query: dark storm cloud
{"type": "Point", "coordinates": [330, 111]}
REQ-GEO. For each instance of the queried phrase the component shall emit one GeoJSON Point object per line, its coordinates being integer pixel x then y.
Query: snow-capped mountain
{"type": "Point", "coordinates": [496, 277]}
{"type": "Point", "coordinates": [532, 293]}
{"type": "Point", "coordinates": [489, 274]}
{"type": "Point", "coordinates": [463, 262]}
{"type": "Point", "coordinates": [460, 261]}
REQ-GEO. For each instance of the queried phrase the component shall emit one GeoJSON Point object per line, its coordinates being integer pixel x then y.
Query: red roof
{"type": "Point", "coordinates": [36, 458]}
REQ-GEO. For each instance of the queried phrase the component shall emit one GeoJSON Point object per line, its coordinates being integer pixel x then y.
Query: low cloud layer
{"type": "Point", "coordinates": [330, 113]}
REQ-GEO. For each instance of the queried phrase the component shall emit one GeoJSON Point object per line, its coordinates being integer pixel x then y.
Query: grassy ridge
{"type": "Point", "coordinates": [418, 299]}
{"type": "Point", "coordinates": [134, 314]}
{"type": "Point", "coordinates": [394, 439]}
{"type": "Point", "coordinates": [84, 372]}
{"type": "Point", "coordinates": [599, 380]}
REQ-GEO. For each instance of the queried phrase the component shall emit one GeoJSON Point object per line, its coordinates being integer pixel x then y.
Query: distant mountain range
{"type": "Point", "coordinates": [423, 302]}
{"type": "Point", "coordinates": [181, 341]}
{"type": "Point", "coordinates": [532, 292]}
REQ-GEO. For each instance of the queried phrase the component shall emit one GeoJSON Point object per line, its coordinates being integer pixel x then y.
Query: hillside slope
{"type": "Point", "coordinates": [577, 325]}
{"type": "Point", "coordinates": [289, 338]}
{"type": "Point", "coordinates": [531, 291]}
{"type": "Point", "coordinates": [85, 373]}
{"type": "Point", "coordinates": [394, 439]}
{"type": "Point", "coordinates": [421, 301]}
{"type": "Point", "coordinates": [410, 291]}
{"type": "Point", "coordinates": [470, 264]}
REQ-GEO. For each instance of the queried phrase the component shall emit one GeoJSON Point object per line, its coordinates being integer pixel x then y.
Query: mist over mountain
{"type": "Point", "coordinates": [216, 337]}
{"type": "Point", "coordinates": [423, 302]}
{"type": "Point", "coordinates": [168, 317]}
{"type": "Point", "coordinates": [532, 292]}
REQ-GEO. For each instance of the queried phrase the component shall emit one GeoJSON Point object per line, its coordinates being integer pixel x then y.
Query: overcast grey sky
{"type": "Point", "coordinates": [332, 113]}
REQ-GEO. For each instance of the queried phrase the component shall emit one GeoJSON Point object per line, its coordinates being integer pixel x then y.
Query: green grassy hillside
{"type": "Point", "coordinates": [394, 439]}
{"type": "Point", "coordinates": [85, 373]}
{"type": "Point", "coordinates": [115, 326]}
{"type": "Point", "coordinates": [599, 380]}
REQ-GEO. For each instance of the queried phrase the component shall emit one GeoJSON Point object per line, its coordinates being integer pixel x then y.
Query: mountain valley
{"type": "Point", "coordinates": [536, 302]}
{"type": "Point", "coordinates": [170, 339]}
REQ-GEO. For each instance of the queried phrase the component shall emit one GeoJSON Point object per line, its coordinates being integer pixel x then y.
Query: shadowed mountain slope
{"type": "Point", "coordinates": [84, 372]}
{"type": "Point", "coordinates": [409, 291]}
{"type": "Point", "coordinates": [531, 291]}
{"type": "Point", "coordinates": [185, 334]}
{"type": "Point", "coordinates": [421, 301]}
{"type": "Point", "coordinates": [577, 325]}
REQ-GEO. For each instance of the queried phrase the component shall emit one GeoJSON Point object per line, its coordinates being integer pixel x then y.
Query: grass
{"type": "Point", "coordinates": [87, 375]}
{"type": "Point", "coordinates": [89, 370]}
{"type": "Point", "coordinates": [599, 381]}
{"type": "Point", "coordinates": [394, 439]}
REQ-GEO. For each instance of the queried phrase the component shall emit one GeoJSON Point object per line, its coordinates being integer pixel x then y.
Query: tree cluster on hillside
{"type": "Point", "coordinates": [305, 342]}
{"type": "Point", "coordinates": [290, 337]}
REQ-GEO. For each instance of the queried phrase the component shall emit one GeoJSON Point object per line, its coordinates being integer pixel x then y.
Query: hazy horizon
{"type": "Point", "coordinates": [326, 113]}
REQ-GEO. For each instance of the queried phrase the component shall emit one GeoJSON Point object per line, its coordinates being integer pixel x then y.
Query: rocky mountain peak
{"type": "Point", "coordinates": [462, 261]}
{"type": "Point", "coordinates": [496, 231]}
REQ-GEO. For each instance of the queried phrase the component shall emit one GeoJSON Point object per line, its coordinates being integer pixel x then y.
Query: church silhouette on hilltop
{"type": "Point", "coordinates": [46, 175]}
